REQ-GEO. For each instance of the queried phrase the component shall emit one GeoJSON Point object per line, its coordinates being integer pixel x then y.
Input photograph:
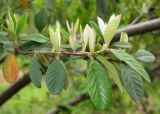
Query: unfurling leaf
{"type": "Point", "coordinates": [124, 37]}
{"type": "Point", "coordinates": [132, 82]}
{"type": "Point", "coordinates": [92, 40]}
{"type": "Point", "coordinates": [55, 37]}
{"type": "Point", "coordinates": [10, 68]}
{"type": "Point", "coordinates": [145, 56]}
{"type": "Point", "coordinates": [73, 30]}
{"type": "Point", "coordinates": [99, 86]}
{"type": "Point", "coordinates": [72, 41]}
{"type": "Point", "coordinates": [11, 22]}
{"type": "Point", "coordinates": [102, 25]}
{"type": "Point", "coordinates": [35, 72]}
{"type": "Point", "coordinates": [56, 77]}
{"type": "Point", "coordinates": [111, 70]}
{"type": "Point", "coordinates": [132, 62]}
{"type": "Point", "coordinates": [111, 28]}
{"type": "Point", "coordinates": [85, 37]}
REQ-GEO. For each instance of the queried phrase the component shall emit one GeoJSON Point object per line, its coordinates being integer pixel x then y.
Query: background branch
{"type": "Point", "coordinates": [14, 89]}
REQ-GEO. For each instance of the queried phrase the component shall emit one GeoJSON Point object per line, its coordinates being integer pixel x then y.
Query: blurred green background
{"type": "Point", "coordinates": [31, 100]}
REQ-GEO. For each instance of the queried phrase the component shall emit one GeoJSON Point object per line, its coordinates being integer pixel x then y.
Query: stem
{"type": "Point", "coordinates": [53, 54]}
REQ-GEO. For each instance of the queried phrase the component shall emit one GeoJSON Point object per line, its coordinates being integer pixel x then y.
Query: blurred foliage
{"type": "Point", "coordinates": [31, 100]}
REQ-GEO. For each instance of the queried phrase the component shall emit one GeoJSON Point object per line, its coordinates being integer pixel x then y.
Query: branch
{"type": "Point", "coordinates": [87, 54]}
{"type": "Point", "coordinates": [72, 102]}
{"type": "Point", "coordinates": [139, 28]}
{"type": "Point", "coordinates": [14, 89]}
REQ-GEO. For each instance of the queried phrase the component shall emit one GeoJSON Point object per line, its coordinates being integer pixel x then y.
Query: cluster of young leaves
{"type": "Point", "coordinates": [105, 63]}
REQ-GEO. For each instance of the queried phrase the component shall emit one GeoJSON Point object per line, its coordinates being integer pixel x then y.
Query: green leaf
{"type": "Point", "coordinates": [112, 72]}
{"type": "Point", "coordinates": [56, 77]}
{"type": "Point", "coordinates": [96, 28]}
{"type": "Point", "coordinates": [35, 72]}
{"type": "Point", "coordinates": [132, 82]}
{"type": "Point", "coordinates": [21, 23]}
{"type": "Point", "coordinates": [145, 56]}
{"type": "Point", "coordinates": [122, 44]}
{"type": "Point", "coordinates": [41, 19]}
{"type": "Point", "coordinates": [132, 62]}
{"type": "Point", "coordinates": [99, 86]}
{"type": "Point", "coordinates": [37, 37]}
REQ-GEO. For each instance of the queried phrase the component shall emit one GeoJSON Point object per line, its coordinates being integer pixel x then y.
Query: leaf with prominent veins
{"type": "Point", "coordinates": [132, 82]}
{"type": "Point", "coordinates": [99, 86]}
{"type": "Point", "coordinates": [132, 62]}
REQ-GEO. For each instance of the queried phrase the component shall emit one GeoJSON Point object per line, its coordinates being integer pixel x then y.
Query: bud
{"type": "Point", "coordinates": [92, 40]}
{"type": "Point", "coordinates": [124, 37]}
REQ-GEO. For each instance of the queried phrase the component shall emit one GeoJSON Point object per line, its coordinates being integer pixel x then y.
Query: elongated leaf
{"type": "Point", "coordinates": [35, 72]}
{"type": "Point", "coordinates": [122, 44]}
{"type": "Point", "coordinates": [11, 22]}
{"type": "Point", "coordinates": [92, 40]}
{"type": "Point", "coordinates": [132, 82]}
{"type": "Point", "coordinates": [85, 37]}
{"type": "Point", "coordinates": [99, 86]}
{"type": "Point", "coordinates": [112, 72]}
{"type": "Point", "coordinates": [36, 37]}
{"type": "Point", "coordinates": [76, 26]}
{"type": "Point", "coordinates": [132, 62]}
{"type": "Point", "coordinates": [96, 28]}
{"type": "Point", "coordinates": [21, 24]}
{"type": "Point", "coordinates": [10, 68]}
{"type": "Point", "coordinates": [145, 56]}
{"type": "Point", "coordinates": [56, 76]}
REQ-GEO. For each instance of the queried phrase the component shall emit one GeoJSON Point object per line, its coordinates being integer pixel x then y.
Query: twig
{"type": "Point", "coordinates": [87, 54]}
{"type": "Point", "coordinates": [139, 28]}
